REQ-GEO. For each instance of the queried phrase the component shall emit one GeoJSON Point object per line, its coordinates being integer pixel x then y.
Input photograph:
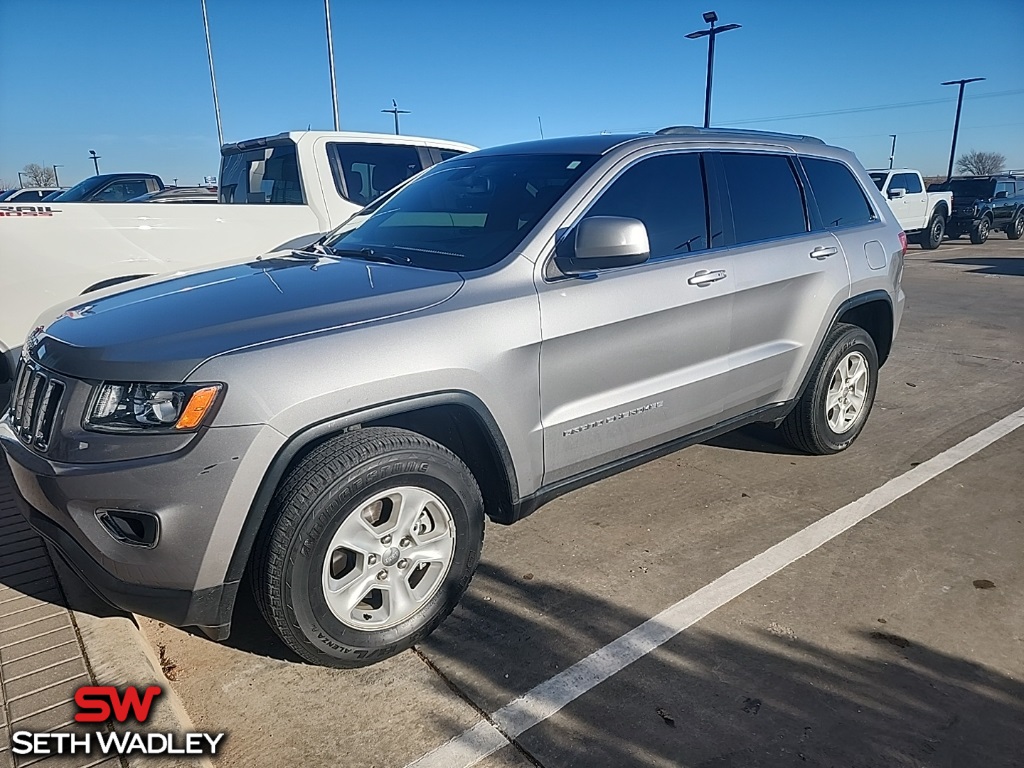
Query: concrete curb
{"type": "Point", "coordinates": [118, 654]}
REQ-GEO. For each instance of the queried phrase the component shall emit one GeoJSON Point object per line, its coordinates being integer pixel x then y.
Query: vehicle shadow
{"type": "Point", "coordinates": [756, 438]}
{"type": "Point", "coordinates": [991, 266]}
{"type": "Point", "coordinates": [758, 696]}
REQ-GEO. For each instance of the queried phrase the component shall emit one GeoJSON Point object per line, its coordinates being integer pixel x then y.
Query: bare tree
{"type": "Point", "coordinates": [38, 176]}
{"type": "Point", "coordinates": [980, 163]}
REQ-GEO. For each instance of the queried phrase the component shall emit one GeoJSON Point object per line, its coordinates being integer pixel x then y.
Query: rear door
{"type": "Point", "coordinates": [788, 277]}
{"type": "Point", "coordinates": [636, 356]}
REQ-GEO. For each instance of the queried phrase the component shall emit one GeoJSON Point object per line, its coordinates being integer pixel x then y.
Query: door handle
{"type": "Point", "coordinates": [703, 277]}
{"type": "Point", "coordinates": [823, 253]}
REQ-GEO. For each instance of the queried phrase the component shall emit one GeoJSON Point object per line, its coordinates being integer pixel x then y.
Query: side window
{"type": "Point", "coordinates": [666, 193]}
{"type": "Point", "coordinates": [264, 176]}
{"type": "Point", "coordinates": [1004, 189]}
{"type": "Point", "coordinates": [364, 172]}
{"type": "Point", "coordinates": [841, 201]}
{"type": "Point", "coordinates": [765, 196]}
{"type": "Point", "coordinates": [121, 191]}
{"type": "Point", "coordinates": [898, 181]}
{"type": "Point", "coordinates": [448, 154]}
{"type": "Point", "coordinates": [913, 184]}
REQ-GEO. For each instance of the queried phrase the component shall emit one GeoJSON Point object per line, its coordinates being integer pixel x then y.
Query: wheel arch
{"type": "Point", "coordinates": [458, 420]}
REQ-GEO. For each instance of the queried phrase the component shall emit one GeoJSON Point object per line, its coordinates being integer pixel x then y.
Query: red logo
{"type": "Point", "coordinates": [97, 702]}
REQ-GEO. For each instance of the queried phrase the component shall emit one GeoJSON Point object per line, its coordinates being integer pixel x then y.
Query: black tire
{"type": "Point", "coordinates": [931, 238]}
{"type": "Point", "coordinates": [981, 230]}
{"type": "Point", "coordinates": [1016, 228]}
{"type": "Point", "coordinates": [806, 427]}
{"type": "Point", "coordinates": [314, 498]}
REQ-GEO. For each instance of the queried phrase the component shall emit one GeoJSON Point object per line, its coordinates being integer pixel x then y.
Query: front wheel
{"type": "Point", "coordinates": [981, 231]}
{"type": "Point", "coordinates": [834, 407]}
{"type": "Point", "coordinates": [931, 238]}
{"type": "Point", "coordinates": [372, 539]}
{"type": "Point", "coordinates": [1016, 229]}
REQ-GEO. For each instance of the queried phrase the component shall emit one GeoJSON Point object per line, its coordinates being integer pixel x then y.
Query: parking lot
{"type": "Point", "coordinates": [897, 642]}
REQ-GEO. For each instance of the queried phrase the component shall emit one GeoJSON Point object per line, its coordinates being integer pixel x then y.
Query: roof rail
{"type": "Point", "coordinates": [693, 130]}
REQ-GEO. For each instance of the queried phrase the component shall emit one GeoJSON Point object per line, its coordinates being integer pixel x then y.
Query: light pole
{"type": "Point", "coordinates": [21, 181]}
{"type": "Point", "coordinates": [330, 62]}
{"type": "Point", "coordinates": [396, 112]}
{"type": "Point", "coordinates": [710, 17]}
{"type": "Point", "coordinates": [56, 180]}
{"type": "Point", "coordinates": [892, 152]}
{"type": "Point", "coordinates": [95, 160]}
{"type": "Point", "coordinates": [213, 79]}
{"type": "Point", "coordinates": [956, 123]}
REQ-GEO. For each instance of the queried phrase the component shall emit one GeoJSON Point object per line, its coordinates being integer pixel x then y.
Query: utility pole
{"type": "Point", "coordinates": [95, 160]}
{"type": "Point", "coordinates": [213, 79]}
{"type": "Point", "coordinates": [330, 62]}
{"type": "Point", "coordinates": [892, 152]}
{"type": "Point", "coordinates": [956, 123]}
{"type": "Point", "coordinates": [56, 181]}
{"type": "Point", "coordinates": [21, 181]}
{"type": "Point", "coordinates": [396, 112]}
{"type": "Point", "coordinates": [710, 17]}
{"type": "Point", "coordinates": [541, 126]}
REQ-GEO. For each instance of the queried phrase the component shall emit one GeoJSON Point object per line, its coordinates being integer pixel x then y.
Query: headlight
{"type": "Point", "coordinates": [150, 408]}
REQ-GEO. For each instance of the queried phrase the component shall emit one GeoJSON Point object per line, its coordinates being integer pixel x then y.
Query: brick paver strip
{"type": "Point", "coordinates": [41, 658]}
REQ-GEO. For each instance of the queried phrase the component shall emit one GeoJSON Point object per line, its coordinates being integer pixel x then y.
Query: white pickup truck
{"type": "Point", "coordinates": [277, 192]}
{"type": "Point", "coordinates": [923, 215]}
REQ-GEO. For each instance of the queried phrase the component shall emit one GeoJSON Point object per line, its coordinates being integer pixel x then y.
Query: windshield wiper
{"type": "Point", "coordinates": [368, 254]}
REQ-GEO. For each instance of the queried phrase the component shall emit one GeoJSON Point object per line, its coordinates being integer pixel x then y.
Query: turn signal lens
{"type": "Point", "coordinates": [197, 407]}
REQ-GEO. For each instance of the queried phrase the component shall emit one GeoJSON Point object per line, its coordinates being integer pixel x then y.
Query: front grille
{"type": "Point", "coordinates": [34, 403]}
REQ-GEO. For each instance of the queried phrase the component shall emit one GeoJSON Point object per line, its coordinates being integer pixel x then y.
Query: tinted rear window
{"type": "Point", "coordinates": [765, 196]}
{"type": "Point", "coordinates": [261, 176]}
{"type": "Point", "coordinates": [364, 172]}
{"type": "Point", "coordinates": [841, 201]}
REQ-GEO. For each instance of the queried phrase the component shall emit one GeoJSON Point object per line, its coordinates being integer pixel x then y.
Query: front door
{"type": "Point", "coordinates": [635, 356]}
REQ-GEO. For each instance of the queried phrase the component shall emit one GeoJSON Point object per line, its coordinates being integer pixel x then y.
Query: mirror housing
{"type": "Point", "coordinates": [895, 194]}
{"type": "Point", "coordinates": [603, 242]}
{"type": "Point", "coordinates": [1000, 195]}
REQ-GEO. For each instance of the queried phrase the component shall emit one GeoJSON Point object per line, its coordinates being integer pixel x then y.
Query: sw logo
{"type": "Point", "coordinates": [103, 704]}
{"type": "Point", "coordinates": [27, 210]}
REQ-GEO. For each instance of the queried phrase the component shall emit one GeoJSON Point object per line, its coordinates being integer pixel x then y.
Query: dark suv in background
{"type": "Point", "coordinates": [982, 204]}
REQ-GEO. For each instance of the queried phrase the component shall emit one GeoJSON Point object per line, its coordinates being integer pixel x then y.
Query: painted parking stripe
{"type": "Point", "coordinates": [545, 699]}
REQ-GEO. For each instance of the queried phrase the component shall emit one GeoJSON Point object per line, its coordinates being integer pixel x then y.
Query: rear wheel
{"type": "Point", "coordinates": [1016, 228]}
{"type": "Point", "coordinates": [981, 231]}
{"type": "Point", "coordinates": [931, 238]}
{"type": "Point", "coordinates": [834, 407]}
{"type": "Point", "coordinates": [372, 538]}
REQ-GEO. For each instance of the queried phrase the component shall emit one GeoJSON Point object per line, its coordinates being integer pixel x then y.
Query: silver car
{"type": "Point", "coordinates": [509, 325]}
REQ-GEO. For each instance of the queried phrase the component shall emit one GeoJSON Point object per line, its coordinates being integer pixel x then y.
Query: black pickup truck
{"type": "Point", "coordinates": [982, 204]}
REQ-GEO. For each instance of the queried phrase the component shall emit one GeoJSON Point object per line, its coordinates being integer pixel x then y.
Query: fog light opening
{"type": "Point", "coordinates": [137, 529]}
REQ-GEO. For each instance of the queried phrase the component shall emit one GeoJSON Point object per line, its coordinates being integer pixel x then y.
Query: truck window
{"type": "Point", "coordinates": [261, 176]}
{"type": "Point", "coordinates": [448, 154]}
{"type": "Point", "coordinates": [120, 191]}
{"type": "Point", "coordinates": [879, 179]}
{"type": "Point", "coordinates": [913, 183]}
{"type": "Point", "coordinates": [364, 172]}
{"type": "Point", "coordinates": [1006, 187]}
{"type": "Point", "coordinates": [840, 199]}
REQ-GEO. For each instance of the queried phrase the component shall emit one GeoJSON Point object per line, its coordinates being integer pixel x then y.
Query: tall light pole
{"type": "Point", "coordinates": [710, 17]}
{"type": "Point", "coordinates": [56, 180]}
{"type": "Point", "coordinates": [892, 152]}
{"type": "Point", "coordinates": [213, 78]}
{"type": "Point", "coordinates": [396, 112]}
{"type": "Point", "coordinates": [956, 123]}
{"type": "Point", "coordinates": [21, 181]}
{"type": "Point", "coordinates": [330, 62]}
{"type": "Point", "coordinates": [95, 160]}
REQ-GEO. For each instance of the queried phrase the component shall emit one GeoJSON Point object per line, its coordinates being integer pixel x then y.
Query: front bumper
{"type": "Point", "coordinates": [185, 490]}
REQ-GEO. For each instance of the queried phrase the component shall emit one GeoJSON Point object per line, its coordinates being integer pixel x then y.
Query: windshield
{"type": "Point", "coordinates": [81, 190]}
{"type": "Point", "coordinates": [464, 214]}
{"type": "Point", "coordinates": [879, 179]}
{"type": "Point", "coordinates": [974, 189]}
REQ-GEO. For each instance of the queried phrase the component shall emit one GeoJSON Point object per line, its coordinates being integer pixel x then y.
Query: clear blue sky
{"type": "Point", "coordinates": [130, 80]}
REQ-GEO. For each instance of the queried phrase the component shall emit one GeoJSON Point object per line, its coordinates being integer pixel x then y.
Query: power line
{"type": "Point", "coordinates": [875, 108]}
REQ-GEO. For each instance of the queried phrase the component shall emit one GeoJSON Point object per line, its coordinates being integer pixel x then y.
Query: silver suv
{"type": "Point", "coordinates": [510, 325]}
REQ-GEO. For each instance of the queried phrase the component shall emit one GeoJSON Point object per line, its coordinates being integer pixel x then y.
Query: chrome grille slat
{"type": "Point", "coordinates": [35, 401]}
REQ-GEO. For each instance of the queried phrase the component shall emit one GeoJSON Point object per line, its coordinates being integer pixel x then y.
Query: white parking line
{"type": "Point", "coordinates": [545, 699]}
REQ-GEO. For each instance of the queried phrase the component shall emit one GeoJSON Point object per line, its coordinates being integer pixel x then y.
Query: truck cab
{"type": "Point", "coordinates": [922, 214]}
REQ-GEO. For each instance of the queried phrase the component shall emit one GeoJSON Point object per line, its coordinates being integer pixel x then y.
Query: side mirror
{"type": "Point", "coordinates": [895, 194]}
{"type": "Point", "coordinates": [603, 242]}
{"type": "Point", "coordinates": [1000, 194]}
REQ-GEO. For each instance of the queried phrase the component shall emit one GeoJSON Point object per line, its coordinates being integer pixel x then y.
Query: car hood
{"type": "Point", "coordinates": [161, 330]}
